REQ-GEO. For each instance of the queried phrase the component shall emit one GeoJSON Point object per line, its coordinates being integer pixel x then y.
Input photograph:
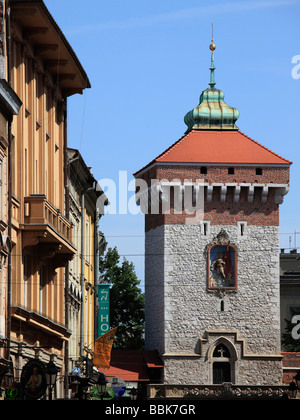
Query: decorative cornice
{"type": "Point", "coordinates": [237, 340]}
{"type": "Point", "coordinates": [226, 390]}
{"type": "Point", "coordinates": [9, 98]}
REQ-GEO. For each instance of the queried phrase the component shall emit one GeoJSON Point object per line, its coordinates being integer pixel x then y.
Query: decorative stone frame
{"type": "Point", "coordinates": [231, 360]}
{"type": "Point", "coordinates": [222, 239]}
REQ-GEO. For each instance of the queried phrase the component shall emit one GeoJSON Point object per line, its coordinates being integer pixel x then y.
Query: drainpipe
{"type": "Point", "coordinates": [8, 37]}
{"type": "Point", "coordinates": [9, 268]}
{"type": "Point", "coordinates": [82, 264]}
{"type": "Point", "coordinates": [67, 200]}
{"type": "Point", "coordinates": [8, 53]}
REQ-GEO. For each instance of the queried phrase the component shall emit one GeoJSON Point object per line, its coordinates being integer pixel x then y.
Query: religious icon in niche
{"type": "Point", "coordinates": [221, 264]}
{"type": "Point", "coordinates": [33, 379]}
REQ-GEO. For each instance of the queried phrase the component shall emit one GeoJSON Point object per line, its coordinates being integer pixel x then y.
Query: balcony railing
{"type": "Point", "coordinates": [212, 392]}
{"type": "Point", "coordinates": [38, 211]}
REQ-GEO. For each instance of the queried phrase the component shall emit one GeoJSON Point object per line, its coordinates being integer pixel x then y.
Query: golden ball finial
{"type": "Point", "coordinates": [212, 46]}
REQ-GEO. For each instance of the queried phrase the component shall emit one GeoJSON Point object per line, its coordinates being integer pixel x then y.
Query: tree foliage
{"type": "Point", "coordinates": [288, 342]}
{"type": "Point", "coordinates": [127, 301]}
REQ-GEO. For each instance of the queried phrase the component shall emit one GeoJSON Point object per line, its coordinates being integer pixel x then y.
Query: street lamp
{"type": "Point", "coordinates": [74, 385]}
{"type": "Point", "coordinates": [101, 384]}
{"type": "Point", "coordinates": [51, 374]}
{"type": "Point", "coordinates": [75, 381]}
{"type": "Point", "coordinates": [292, 390]}
{"type": "Point", "coordinates": [297, 379]}
{"type": "Point", "coordinates": [8, 378]}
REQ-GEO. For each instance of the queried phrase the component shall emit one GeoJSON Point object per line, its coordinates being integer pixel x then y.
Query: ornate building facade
{"type": "Point", "coordinates": [211, 204]}
{"type": "Point", "coordinates": [9, 106]}
{"type": "Point", "coordinates": [44, 72]}
{"type": "Point", "coordinates": [84, 213]}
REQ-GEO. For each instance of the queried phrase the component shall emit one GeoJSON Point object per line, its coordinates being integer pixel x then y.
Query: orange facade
{"type": "Point", "coordinates": [44, 71]}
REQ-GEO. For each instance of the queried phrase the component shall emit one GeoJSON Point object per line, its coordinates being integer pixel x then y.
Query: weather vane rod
{"type": "Point", "coordinates": [212, 68]}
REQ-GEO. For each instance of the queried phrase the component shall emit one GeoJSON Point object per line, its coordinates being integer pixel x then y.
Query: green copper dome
{"type": "Point", "coordinates": [212, 113]}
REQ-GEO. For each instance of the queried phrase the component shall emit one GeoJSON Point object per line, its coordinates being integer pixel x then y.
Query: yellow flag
{"type": "Point", "coordinates": [103, 346]}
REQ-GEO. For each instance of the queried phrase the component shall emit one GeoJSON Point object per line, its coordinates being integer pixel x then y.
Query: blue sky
{"type": "Point", "coordinates": [148, 62]}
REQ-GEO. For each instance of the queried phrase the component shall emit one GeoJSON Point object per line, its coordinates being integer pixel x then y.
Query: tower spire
{"type": "Point", "coordinates": [212, 113]}
{"type": "Point", "coordinates": [212, 68]}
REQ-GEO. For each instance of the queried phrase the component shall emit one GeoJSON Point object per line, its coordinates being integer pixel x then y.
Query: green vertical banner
{"type": "Point", "coordinates": [103, 315]}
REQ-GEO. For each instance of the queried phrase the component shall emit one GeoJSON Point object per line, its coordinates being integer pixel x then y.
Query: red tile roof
{"type": "Point", "coordinates": [132, 365]}
{"type": "Point", "coordinates": [217, 146]}
{"type": "Point", "coordinates": [152, 359]}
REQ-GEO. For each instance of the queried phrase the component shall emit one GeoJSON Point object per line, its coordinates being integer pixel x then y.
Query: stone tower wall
{"type": "Point", "coordinates": [253, 309]}
{"type": "Point", "coordinates": [185, 320]}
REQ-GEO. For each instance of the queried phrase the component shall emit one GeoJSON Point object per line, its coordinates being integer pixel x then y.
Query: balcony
{"type": "Point", "coordinates": [46, 231]}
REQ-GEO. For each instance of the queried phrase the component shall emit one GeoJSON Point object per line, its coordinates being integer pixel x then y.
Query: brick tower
{"type": "Point", "coordinates": [211, 204]}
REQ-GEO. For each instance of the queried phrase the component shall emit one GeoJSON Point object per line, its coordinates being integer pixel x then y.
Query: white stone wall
{"type": "Point", "coordinates": [179, 309]}
{"type": "Point", "coordinates": [193, 371]}
{"type": "Point", "coordinates": [154, 290]}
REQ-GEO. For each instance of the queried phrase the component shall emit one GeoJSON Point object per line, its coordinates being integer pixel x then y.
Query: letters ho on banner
{"type": "Point", "coordinates": [103, 315]}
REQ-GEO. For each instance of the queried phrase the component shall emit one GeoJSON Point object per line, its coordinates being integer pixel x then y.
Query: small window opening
{"type": "Point", "coordinates": [205, 229]}
{"type": "Point", "coordinates": [258, 171]}
{"type": "Point", "coordinates": [230, 171]}
{"type": "Point", "coordinates": [222, 305]}
{"type": "Point", "coordinates": [203, 170]}
{"type": "Point", "coordinates": [242, 229]}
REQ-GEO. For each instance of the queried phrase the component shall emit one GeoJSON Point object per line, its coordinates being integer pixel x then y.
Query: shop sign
{"type": "Point", "coordinates": [12, 394]}
{"type": "Point", "coordinates": [33, 380]}
{"type": "Point", "coordinates": [103, 316]}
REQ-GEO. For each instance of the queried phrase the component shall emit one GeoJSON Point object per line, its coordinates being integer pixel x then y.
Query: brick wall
{"type": "Point", "coordinates": [276, 174]}
{"type": "Point", "coordinates": [217, 212]}
{"type": "Point", "coordinates": [290, 365]}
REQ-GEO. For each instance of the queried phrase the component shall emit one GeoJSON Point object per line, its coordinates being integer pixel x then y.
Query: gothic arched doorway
{"type": "Point", "coordinates": [221, 365]}
{"type": "Point", "coordinates": [221, 372]}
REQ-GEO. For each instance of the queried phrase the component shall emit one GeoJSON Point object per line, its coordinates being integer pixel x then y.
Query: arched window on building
{"type": "Point", "coordinates": [221, 365]}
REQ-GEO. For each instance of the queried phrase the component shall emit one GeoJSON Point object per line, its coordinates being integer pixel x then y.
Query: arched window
{"type": "Point", "coordinates": [221, 365]}
{"type": "Point", "coordinates": [221, 351]}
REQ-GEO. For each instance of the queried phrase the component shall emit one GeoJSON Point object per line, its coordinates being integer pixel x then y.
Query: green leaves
{"type": "Point", "coordinates": [288, 342]}
{"type": "Point", "coordinates": [127, 301]}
